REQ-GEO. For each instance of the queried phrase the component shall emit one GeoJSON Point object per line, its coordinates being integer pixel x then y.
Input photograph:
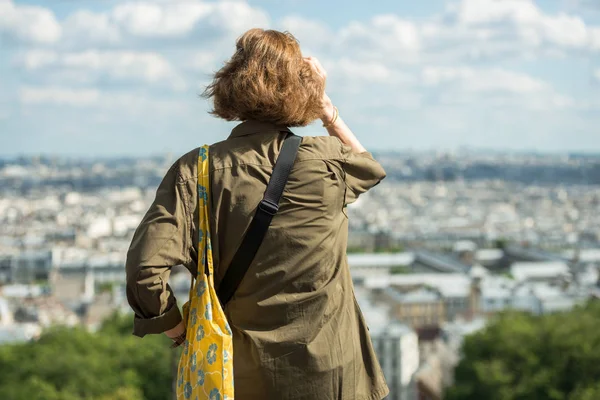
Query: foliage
{"type": "Point", "coordinates": [521, 356]}
{"type": "Point", "coordinates": [369, 249]}
{"type": "Point", "coordinates": [400, 269]}
{"type": "Point", "coordinates": [500, 244]}
{"type": "Point", "coordinates": [390, 249]}
{"type": "Point", "coordinates": [73, 364]}
{"type": "Point", "coordinates": [106, 287]}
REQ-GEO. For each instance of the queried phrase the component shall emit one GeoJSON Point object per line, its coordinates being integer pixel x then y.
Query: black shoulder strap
{"type": "Point", "coordinates": [265, 211]}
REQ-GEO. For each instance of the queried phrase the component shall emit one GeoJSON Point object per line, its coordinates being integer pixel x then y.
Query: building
{"type": "Point", "coordinates": [454, 288]}
{"type": "Point", "coordinates": [365, 265]}
{"type": "Point", "coordinates": [495, 294]}
{"type": "Point", "coordinates": [489, 258]}
{"type": "Point", "coordinates": [542, 298]}
{"type": "Point", "coordinates": [31, 266]}
{"type": "Point", "coordinates": [397, 350]}
{"type": "Point", "coordinates": [427, 261]}
{"type": "Point", "coordinates": [539, 271]}
{"type": "Point", "coordinates": [5, 268]}
{"type": "Point", "coordinates": [417, 308]}
{"type": "Point", "coordinates": [11, 331]}
{"type": "Point", "coordinates": [395, 344]}
{"type": "Point", "coordinates": [513, 254]}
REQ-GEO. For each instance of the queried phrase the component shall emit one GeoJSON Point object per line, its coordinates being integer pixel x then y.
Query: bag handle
{"type": "Point", "coordinates": [266, 210]}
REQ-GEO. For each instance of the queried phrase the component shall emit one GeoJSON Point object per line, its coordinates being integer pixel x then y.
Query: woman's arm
{"type": "Point", "coordinates": [337, 127]}
{"type": "Point", "coordinates": [158, 244]}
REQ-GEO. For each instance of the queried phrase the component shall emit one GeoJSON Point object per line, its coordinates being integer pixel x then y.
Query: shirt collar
{"type": "Point", "coordinates": [252, 126]}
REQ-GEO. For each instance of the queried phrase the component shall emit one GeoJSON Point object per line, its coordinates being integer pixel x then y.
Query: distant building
{"type": "Point", "coordinates": [5, 268]}
{"type": "Point", "coordinates": [489, 258]}
{"type": "Point", "coordinates": [395, 344]}
{"type": "Point", "coordinates": [427, 261]}
{"type": "Point", "coordinates": [76, 263]}
{"type": "Point", "coordinates": [31, 266]}
{"type": "Point", "coordinates": [495, 294]}
{"type": "Point", "coordinates": [539, 271]}
{"type": "Point", "coordinates": [397, 350]}
{"type": "Point", "coordinates": [6, 317]}
{"type": "Point", "coordinates": [11, 331]}
{"type": "Point", "coordinates": [542, 298]}
{"type": "Point", "coordinates": [513, 254]}
{"type": "Point", "coordinates": [417, 308]}
{"type": "Point", "coordinates": [367, 265]}
{"type": "Point", "coordinates": [454, 288]}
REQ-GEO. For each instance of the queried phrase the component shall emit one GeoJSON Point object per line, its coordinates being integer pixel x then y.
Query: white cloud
{"type": "Point", "coordinates": [483, 80]}
{"type": "Point", "coordinates": [351, 71]}
{"type": "Point", "coordinates": [366, 71]}
{"type": "Point", "coordinates": [94, 99]}
{"type": "Point", "coordinates": [383, 37]}
{"type": "Point", "coordinates": [312, 35]}
{"type": "Point", "coordinates": [122, 65]}
{"type": "Point", "coordinates": [521, 23]}
{"type": "Point", "coordinates": [165, 20]}
{"type": "Point", "coordinates": [155, 20]}
{"type": "Point", "coordinates": [487, 11]}
{"type": "Point", "coordinates": [492, 88]}
{"type": "Point", "coordinates": [482, 30]}
{"type": "Point", "coordinates": [566, 31]}
{"type": "Point", "coordinates": [595, 39]}
{"type": "Point", "coordinates": [35, 59]}
{"type": "Point", "coordinates": [28, 23]}
{"type": "Point", "coordinates": [201, 61]}
{"type": "Point", "coordinates": [236, 17]}
{"type": "Point", "coordinates": [87, 27]}
{"type": "Point", "coordinates": [597, 75]}
{"type": "Point", "coordinates": [59, 96]}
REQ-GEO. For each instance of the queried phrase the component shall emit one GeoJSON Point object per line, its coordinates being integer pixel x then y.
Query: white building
{"type": "Point", "coordinates": [454, 287]}
{"type": "Point", "coordinates": [397, 348]}
{"type": "Point", "coordinates": [496, 294]}
{"type": "Point", "coordinates": [14, 332]}
{"type": "Point", "coordinates": [546, 270]}
{"type": "Point", "coordinates": [6, 317]}
{"type": "Point", "coordinates": [542, 298]}
{"type": "Point", "coordinates": [369, 265]}
{"type": "Point", "coordinates": [30, 266]}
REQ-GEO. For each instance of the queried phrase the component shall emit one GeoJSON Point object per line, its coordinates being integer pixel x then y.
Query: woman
{"type": "Point", "coordinates": [298, 332]}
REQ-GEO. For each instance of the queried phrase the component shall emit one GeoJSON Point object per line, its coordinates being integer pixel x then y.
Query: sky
{"type": "Point", "coordinates": [117, 77]}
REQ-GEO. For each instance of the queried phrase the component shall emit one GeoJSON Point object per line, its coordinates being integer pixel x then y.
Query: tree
{"type": "Point", "coordinates": [73, 364]}
{"type": "Point", "coordinates": [520, 356]}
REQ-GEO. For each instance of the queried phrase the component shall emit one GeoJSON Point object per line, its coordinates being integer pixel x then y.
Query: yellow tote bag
{"type": "Point", "coordinates": [205, 370]}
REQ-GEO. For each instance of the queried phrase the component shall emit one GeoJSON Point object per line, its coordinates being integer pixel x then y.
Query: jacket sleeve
{"type": "Point", "coordinates": [361, 171]}
{"type": "Point", "coordinates": [160, 242]}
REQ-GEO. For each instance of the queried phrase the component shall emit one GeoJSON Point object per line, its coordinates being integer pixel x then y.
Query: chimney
{"type": "Point", "coordinates": [474, 297]}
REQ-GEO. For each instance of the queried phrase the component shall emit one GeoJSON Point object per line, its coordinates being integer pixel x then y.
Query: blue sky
{"type": "Point", "coordinates": [117, 77]}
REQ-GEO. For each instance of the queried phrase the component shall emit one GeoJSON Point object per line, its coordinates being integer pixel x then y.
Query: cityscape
{"type": "Point", "coordinates": [475, 262]}
{"type": "Point", "coordinates": [446, 242]}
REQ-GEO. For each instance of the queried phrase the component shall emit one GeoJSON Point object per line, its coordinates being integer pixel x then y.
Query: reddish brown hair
{"type": "Point", "coordinates": [267, 80]}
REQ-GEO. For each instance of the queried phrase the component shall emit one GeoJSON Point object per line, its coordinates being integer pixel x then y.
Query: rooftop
{"type": "Point", "coordinates": [522, 271]}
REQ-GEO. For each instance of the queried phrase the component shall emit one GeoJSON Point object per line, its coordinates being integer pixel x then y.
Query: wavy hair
{"type": "Point", "coordinates": [267, 80]}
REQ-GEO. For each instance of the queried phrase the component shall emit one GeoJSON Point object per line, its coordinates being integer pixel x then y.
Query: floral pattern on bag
{"type": "Point", "coordinates": [205, 369]}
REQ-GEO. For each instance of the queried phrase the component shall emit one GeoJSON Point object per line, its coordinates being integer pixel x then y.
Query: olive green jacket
{"type": "Point", "coordinates": [297, 328]}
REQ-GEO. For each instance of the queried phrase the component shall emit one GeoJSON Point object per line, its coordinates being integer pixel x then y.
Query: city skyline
{"type": "Point", "coordinates": [122, 78]}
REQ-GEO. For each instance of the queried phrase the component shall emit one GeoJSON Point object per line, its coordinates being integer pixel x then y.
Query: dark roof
{"type": "Point", "coordinates": [440, 262]}
{"type": "Point", "coordinates": [528, 254]}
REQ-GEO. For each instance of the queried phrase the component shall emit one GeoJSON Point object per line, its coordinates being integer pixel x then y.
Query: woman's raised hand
{"type": "Point", "coordinates": [326, 104]}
